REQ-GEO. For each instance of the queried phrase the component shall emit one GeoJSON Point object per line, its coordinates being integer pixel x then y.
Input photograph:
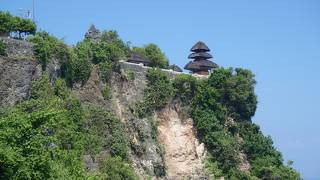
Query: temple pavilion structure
{"type": "Point", "coordinates": [137, 59]}
{"type": "Point", "coordinates": [200, 63]}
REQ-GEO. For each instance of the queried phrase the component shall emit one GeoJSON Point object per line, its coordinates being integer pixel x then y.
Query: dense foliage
{"type": "Point", "coordinates": [157, 94]}
{"type": "Point", "coordinates": [46, 136]}
{"type": "Point", "coordinates": [2, 48]}
{"type": "Point", "coordinates": [47, 47]}
{"type": "Point", "coordinates": [222, 107]}
{"type": "Point", "coordinates": [153, 53]}
{"type": "Point", "coordinates": [13, 24]}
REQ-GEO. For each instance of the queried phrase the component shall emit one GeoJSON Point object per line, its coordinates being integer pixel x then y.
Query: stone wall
{"type": "Point", "coordinates": [125, 66]}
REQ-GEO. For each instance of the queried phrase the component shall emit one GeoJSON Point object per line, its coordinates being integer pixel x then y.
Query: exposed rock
{"type": "Point", "coordinates": [90, 92]}
{"type": "Point", "coordinates": [93, 33]}
{"type": "Point", "coordinates": [18, 48]}
{"type": "Point", "coordinates": [184, 155]}
{"type": "Point", "coordinates": [16, 76]}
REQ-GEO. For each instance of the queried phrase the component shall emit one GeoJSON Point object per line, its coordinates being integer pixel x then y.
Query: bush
{"type": "Point", "coordinates": [47, 47]}
{"type": "Point", "coordinates": [157, 93]}
{"type": "Point", "coordinates": [114, 168]}
{"type": "Point", "coordinates": [105, 52]}
{"type": "Point", "coordinates": [106, 93]}
{"type": "Point", "coordinates": [185, 86]}
{"type": "Point", "coordinates": [105, 71]}
{"type": "Point", "coordinates": [236, 91]}
{"type": "Point", "coordinates": [104, 130]}
{"type": "Point", "coordinates": [42, 88]}
{"type": "Point", "coordinates": [153, 53]}
{"type": "Point", "coordinates": [2, 48]}
{"type": "Point", "coordinates": [13, 24]}
{"type": "Point", "coordinates": [42, 140]}
{"type": "Point", "coordinates": [80, 62]}
{"type": "Point", "coordinates": [130, 75]}
{"type": "Point", "coordinates": [112, 37]}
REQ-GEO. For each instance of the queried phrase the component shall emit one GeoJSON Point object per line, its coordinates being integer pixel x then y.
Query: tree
{"type": "Point", "coordinates": [5, 22]}
{"type": "Point", "coordinates": [14, 24]}
{"type": "Point", "coordinates": [153, 53]}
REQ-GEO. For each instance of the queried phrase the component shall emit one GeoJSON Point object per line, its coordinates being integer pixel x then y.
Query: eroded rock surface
{"type": "Point", "coordinates": [16, 76]}
{"type": "Point", "coordinates": [184, 155]}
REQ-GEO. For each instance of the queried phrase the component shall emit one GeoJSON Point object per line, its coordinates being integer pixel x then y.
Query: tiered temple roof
{"type": "Point", "coordinates": [200, 63]}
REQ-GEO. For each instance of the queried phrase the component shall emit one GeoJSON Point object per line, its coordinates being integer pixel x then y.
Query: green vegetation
{"type": "Point", "coordinates": [47, 47]}
{"type": "Point", "coordinates": [13, 24]}
{"type": "Point", "coordinates": [105, 70]}
{"type": "Point", "coordinates": [106, 93]}
{"type": "Point", "coordinates": [114, 168]}
{"type": "Point", "coordinates": [157, 94]}
{"type": "Point", "coordinates": [222, 107]}
{"type": "Point", "coordinates": [103, 129]}
{"type": "Point", "coordinates": [2, 48]}
{"type": "Point", "coordinates": [184, 87]}
{"type": "Point", "coordinates": [46, 136]}
{"type": "Point", "coordinates": [153, 53]}
{"type": "Point", "coordinates": [130, 75]}
{"type": "Point", "coordinates": [80, 62]}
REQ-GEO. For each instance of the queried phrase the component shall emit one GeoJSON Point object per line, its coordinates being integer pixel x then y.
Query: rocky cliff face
{"type": "Point", "coordinates": [184, 155]}
{"type": "Point", "coordinates": [169, 150]}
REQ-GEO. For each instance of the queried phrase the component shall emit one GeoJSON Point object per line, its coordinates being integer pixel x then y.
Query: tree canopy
{"type": "Point", "coordinates": [153, 53]}
{"type": "Point", "coordinates": [13, 24]}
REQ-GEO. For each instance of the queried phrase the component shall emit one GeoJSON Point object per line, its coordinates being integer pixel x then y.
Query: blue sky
{"type": "Point", "coordinates": [278, 40]}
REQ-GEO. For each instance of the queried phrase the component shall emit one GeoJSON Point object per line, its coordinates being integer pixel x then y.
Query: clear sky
{"type": "Point", "coordinates": [279, 40]}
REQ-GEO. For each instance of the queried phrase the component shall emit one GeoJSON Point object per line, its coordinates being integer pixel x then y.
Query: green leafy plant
{"type": "Point", "coordinates": [105, 71]}
{"type": "Point", "coordinates": [130, 75]}
{"type": "Point", "coordinates": [104, 130]}
{"type": "Point", "coordinates": [13, 24]}
{"type": "Point", "coordinates": [157, 94]}
{"type": "Point", "coordinates": [114, 168]}
{"type": "Point", "coordinates": [153, 53]}
{"type": "Point", "coordinates": [106, 93]}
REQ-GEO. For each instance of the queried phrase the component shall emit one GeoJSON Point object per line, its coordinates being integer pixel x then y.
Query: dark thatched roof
{"type": "Point", "coordinates": [200, 47]}
{"type": "Point", "coordinates": [175, 68]}
{"type": "Point", "coordinates": [200, 55]}
{"type": "Point", "coordinates": [136, 58]}
{"type": "Point", "coordinates": [200, 65]}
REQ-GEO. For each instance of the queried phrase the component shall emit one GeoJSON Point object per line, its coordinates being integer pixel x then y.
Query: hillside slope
{"type": "Point", "coordinates": [82, 113]}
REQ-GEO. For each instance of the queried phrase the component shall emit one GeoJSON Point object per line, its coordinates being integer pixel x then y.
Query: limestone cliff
{"type": "Point", "coordinates": [174, 153]}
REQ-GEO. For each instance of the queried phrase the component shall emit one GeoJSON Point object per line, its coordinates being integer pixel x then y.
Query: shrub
{"type": "Point", "coordinates": [153, 53]}
{"type": "Point", "coordinates": [47, 47]}
{"type": "Point", "coordinates": [130, 75]}
{"type": "Point", "coordinates": [42, 88]}
{"type": "Point", "coordinates": [157, 93]}
{"type": "Point", "coordinates": [42, 140]}
{"type": "Point", "coordinates": [105, 71]}
{"type": "Point", "coordinates": [104, 130]}
{"type": "Point", "coordinates": [14, 24]}
{"type": "Point", "coordinates": [80, 62]}
{"type": "Point", "coordinates": [184, 86]}
{"type": "Point", "coordinates": [106, 93]}
{"type": "Point", "coordinates": [114, 168]}
{"type": "Point", "coordinates": [112, 37]}
{"type": "Point", "coordinates": [106, 52]}
{"type": "Point", "coordinates": [236, 91]}
{"type": "Point", "coordinates": [2, 48]}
